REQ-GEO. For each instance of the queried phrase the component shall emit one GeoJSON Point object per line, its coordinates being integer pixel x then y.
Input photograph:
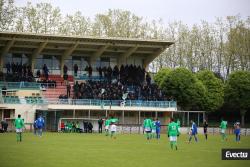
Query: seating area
{"type": "Point", "coordinates": [34, 99]}
{"type": "Point", "coordinates": [60, 88]}
{"type": "Point", "coordinates": [11, 99]}
{"type": "Point", "coordinates": [20, 85]}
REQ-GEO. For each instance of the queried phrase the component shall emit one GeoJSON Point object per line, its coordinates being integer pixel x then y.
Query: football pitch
{"type": "Point", "coordinates": [128, 150]}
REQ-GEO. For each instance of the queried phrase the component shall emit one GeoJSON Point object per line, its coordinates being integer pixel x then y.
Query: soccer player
{"type": "Point", "coordinates": [158, 128]}
{"type": "Point", "coordinates": [153, 130]}
{"type": "Point", "coordinates": [193, 132]}
{"type": "Point", "coordinates": [19, 124]}
{"type": "Point", "coordinates": [223, 127]}
{"type": "Point", "coordinates": [205, 125]}
{"type": "Point", "coordinates": [173, 132]}
{"type": "Point", "coordinates": [35, 127]}
{"type": "Point", "coordinates": [40, 125]}
{"type": "Point", "coordinates": [237, 131]}
{"type": "Point", "coordinates": [107, 123]}
{"type": "Point", "coordinates": [112, 130]}
{"type": "Point", "coordinates": [147, 125]}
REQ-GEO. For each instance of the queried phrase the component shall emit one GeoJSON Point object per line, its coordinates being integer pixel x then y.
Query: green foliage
{"type": "Point", "coordinates": [237, 90]}
{"type": "Point", "coordinates": [183, 85]}
{"type": "Point", "coordinates": [215, 90]}
{"type": "Point", "coordinates": [161, 75]}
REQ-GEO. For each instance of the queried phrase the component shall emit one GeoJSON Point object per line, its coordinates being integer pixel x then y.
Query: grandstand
{"type": "Point", "coordinates": [119, 65]}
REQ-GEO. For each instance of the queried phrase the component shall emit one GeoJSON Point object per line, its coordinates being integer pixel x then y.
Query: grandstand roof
{"type": "Point", "coordinates": [34, 44]}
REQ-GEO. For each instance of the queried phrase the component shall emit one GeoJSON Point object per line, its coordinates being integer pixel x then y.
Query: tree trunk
{"type": "Point", "coordinates": [243, 113]}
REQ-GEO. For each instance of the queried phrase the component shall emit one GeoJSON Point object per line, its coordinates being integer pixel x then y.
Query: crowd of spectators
{"type": "Point", "coordinates": [116, 90]}
{"type": "Point", "coordinates": [128, 74]}
{"type": "Point", "coordinates": [130, 80]}
{"type": "Point", "coordinates": [17, 72]}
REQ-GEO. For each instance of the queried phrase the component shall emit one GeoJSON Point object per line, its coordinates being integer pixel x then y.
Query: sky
{"type": "Point", "coordinates": [188, 11]}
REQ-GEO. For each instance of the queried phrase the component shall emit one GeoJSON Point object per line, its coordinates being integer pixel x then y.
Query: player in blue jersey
{"type": "Point", "coordinates": [158, 128]}
{"type": "Point", "coordinates": [35, 127]}
{"type": "Point", "coordinates": [193, 132]}
{"type": "Point", "coordinates": [40, 125]}
{"type": "Point", "coordinates": [237, 131]}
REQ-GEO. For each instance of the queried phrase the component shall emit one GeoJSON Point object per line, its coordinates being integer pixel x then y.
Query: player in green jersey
{"type": "Point", "coordinates": [107, 123]}
{"type": "Point", "coordinates": [19, 124]}
{"type": "Point", "coordinates": [173, 132]}
{"type": "Point", "coordinates": [223, 127]}
{"type": "Point", "coordinates": [153, 131]}
{"type": "Point", "coordinates": [147, 125]}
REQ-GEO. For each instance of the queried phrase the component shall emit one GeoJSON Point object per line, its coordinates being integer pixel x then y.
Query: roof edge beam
{"type": "Point", "coordinates": [150, 58]}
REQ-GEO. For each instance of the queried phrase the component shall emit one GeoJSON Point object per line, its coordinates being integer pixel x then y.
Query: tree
{"type": "Point", "coordinates": [184, 87]}
{"type": "Point", "coordinates": [161, 75]}
{"type": "Point", "coordinates": [7, 14]}
{"type": "Point", "coordinates": [215, 90]}
{"type": "Point", "coordinates": [237, 92]}
{"type": "Point", "coordinates": [75, 24]}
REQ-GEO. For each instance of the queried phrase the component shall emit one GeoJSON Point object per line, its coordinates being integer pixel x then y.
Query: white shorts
{"type": "Point", "coordinates": [106, 127]}
{"type": "Point", "coordinates": [153, 131]}
{"type": "Point", "coordinates": [172, 138]}
{"type": "Point", "coordinates": [147, 130]}
{"type": "Point", "coordinates": [19, 130]}
{"type": "Point", "coordinates": [223, 130]}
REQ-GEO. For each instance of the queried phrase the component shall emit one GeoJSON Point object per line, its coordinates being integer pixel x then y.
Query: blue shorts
{"type": "Point", "coordinates": [193, 133]}
{"type": "Point", "coordinates": [237, 131]}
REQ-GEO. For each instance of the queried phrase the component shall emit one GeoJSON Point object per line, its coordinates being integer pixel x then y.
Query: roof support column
{"type": "Point", "coordinates": [152, 57]}
{"type": "Point", "coordinates": [67, 53]}
{"type": "Point", "coordinates": [5, 51]}
{"type": "Point", "coordinates": [124, 56]}
{"type": "Point", "coordinates": [97, 54]}
{"type": "Point", "coordinates": [36, 53]}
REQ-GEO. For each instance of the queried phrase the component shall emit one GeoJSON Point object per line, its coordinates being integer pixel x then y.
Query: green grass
{"type": "Point", "coordinates": [94, 150]}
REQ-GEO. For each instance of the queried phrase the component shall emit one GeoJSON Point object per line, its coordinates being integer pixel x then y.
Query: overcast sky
{"type": "Point", "coordinates": [188, 11]}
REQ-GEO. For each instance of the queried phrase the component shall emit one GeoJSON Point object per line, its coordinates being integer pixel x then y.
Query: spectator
{"type": "Point", "coordinates": [148, 79]}
{"type": "Point", "coordinates": [4, 125]}
{"type": "Point", "coordinates": [8, 66]}
{"type": "Point", "coordinates": [85, 127]}
{"type": "Point", "coordinates": [100, 123]}
{"type": "Point", "coordinates": [78, 129]}
{"type": "Point", "coordinates": [62, 126]}
{"type": "Point", "coordinates": [65, 70]}
{"type": "Point", "coordinates": [68, 90]}
{"type": "Point", "coordinates": [76, 90]}
{"type": "Point", "coordinates": [46, 71]}
{"type": "Point", "coordinates": [75, 69]}
{"type": "Point", "coordinates": [90, 71]}
{"type": "Point", "coordinates": [99, 69]}
{"type": "Point", "coordinates": [38, 73]}
{"type": "Point", "coordinates": [90, 127]}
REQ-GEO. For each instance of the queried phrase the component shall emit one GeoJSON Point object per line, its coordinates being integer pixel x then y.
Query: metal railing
{"type": "Point", "coordinates": [25, 85]}
{"type": "Point", "coordinates": [90, 102]}
{"type": "Point", "coordinates": [102, 103]}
